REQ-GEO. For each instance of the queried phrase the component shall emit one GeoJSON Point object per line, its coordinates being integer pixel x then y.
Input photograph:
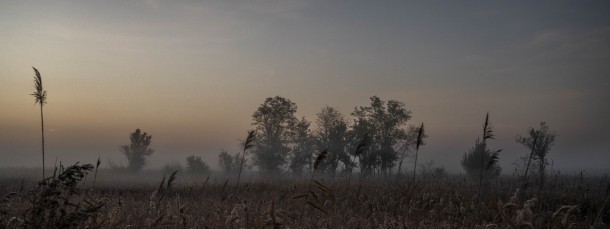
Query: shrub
{"type": "Point", "coordinates": [195, 165]}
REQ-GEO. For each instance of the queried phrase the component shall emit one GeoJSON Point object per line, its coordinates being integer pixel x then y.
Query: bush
{"type": "Point", "coordinates": [55, 204]}
{"type": "Point", "coordinates": [471, 162]}
{"type": "Point", "coordinates": [195, 165]}
{"type": "Point", "coordinates": [138, 150]}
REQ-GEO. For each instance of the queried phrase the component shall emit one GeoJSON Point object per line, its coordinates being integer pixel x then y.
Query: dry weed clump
{"type": "Point", "coordinates": [56, 202]}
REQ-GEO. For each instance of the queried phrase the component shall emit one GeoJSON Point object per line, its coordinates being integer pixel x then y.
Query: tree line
{"type": "Point", "coordinates": [376, 140]}
{"type": "Point", "coordinates": [285, 143]}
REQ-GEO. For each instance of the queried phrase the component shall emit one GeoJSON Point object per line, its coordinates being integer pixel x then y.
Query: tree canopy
{"type": "Point", "coordinates": [275, 121]}
{"type": "Point", "coordinates": [137, 150]}
{"type": "Point", "coordinates": [384, 122]}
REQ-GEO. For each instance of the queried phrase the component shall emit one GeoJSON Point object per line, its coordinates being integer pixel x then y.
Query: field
{"type": "Point", "coordinates": [153, 199]}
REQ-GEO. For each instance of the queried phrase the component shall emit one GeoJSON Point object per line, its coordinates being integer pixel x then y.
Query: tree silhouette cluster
{"type": "Point", "coordinates": [285, 142]}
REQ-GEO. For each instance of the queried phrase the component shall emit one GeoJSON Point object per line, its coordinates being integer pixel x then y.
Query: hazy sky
{"type": "Point", "coordinates": [192, 73]}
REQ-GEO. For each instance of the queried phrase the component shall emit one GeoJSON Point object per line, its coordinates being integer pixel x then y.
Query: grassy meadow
{"type": "Point", "coordinates": [155, 199]}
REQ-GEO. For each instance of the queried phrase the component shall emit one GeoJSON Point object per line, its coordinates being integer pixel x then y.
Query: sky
{"type": "Point", "coordinates": [191, 73]}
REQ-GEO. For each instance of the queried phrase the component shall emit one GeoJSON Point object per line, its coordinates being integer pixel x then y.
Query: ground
{"type": "Point", "coordinates": [201, 201]}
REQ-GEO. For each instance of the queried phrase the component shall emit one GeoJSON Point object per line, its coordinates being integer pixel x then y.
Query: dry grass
{"type": "Point", "coordinates": [442, 203]}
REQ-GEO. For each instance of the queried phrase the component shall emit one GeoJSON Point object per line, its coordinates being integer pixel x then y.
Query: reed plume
{"type": "Point", "coordinates": [40, 96]}
{"type": "Point", "coordinates": [418, 143]}
{"type": "Point", "coordinates": [247, 144]}
{"type": "Point", "coordinates": [364, 142]}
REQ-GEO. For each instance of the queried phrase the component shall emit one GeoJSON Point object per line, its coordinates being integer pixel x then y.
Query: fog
{"type": "Point", "coordinates": [192, 74]}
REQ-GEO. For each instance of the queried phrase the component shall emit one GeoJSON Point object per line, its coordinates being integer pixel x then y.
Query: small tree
{"type": "Point", "coordinates": [137, 151]}
{"type": "Point", "coordinates": [480, 159]}
{"type": "Point", "coordinates": [539, 142]}
{"type": "Point", "coordinates": [229, 163]}
{"type": "Point", "coordinates": [195, 165]}
{"type": "Point", "coordinates": [471, 162]}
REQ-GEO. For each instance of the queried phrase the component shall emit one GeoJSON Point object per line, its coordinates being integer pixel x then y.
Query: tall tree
{"type": "Point", "coordinates": [539, 141]}
{"type": "Point", "coordinates": [274, 121]}
{"type": "Point", "coordinates": [332, 135]}
{"type": "Point", "coordinates": [303, 147]}
{"type": "Point", "coordinates": [40, 96]}
{"type": "Point", "coordinates": [384, 122]}
{"type": "Point", "coordinates": [137, 150]}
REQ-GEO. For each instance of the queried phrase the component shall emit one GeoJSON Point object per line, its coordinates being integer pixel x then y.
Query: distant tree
{"type": "Point", "coordinates": [482, 160]}
{"type": "Point", "coordinates": [138, 150]}
{"type": "Point", "coordinates": [426, 169]}
{"type": "Point", "coordinates": [196, 165]}
{"type": "Point", "coordinates": [274, 121]}
{"type": "Point", "coordinates": [332, 135]}
{"type": "Point", "coordinates": [40, 96]}
{"type": "Point", "coordinates": [229, 163]}
{"type": "Point", "coordinates": [383, 121]}
{"type": "Point", "coordinates": [539, 141]}
{"type": "Point", "coordinates": [173, 166]}
{"type": "Point", "coordinates": [303, 147]}
{"type": "Point", "coordinates": [471, 162]}
{"type": "Point", "coordinates": [438, 173]}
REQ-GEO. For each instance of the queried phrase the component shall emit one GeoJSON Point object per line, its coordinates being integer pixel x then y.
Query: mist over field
{"type": "Point", "coordinates": [191, 74]}
{"type": "Point", "coordinates": [450, 114]}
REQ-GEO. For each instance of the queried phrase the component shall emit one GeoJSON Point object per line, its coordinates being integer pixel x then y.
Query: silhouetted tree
{"type": "Point", "coordinates": [480, 159]}
{"type": "Point", "coordinates": [274, 121]}
{"type": "Point", "coordinates": [383, 121]}
{"type": "Point", "coordinates": [40, 96]}
{"type": "Point", "coordinates": [228, 163]}
{"type": "Point", "coordinates": [539, 141]}
{"type": "Point", "coordinates": [332, 135]}
{"type": "Point", "coordinates": [303, 147]}
{"type": "Point", "coordinates": [196, 165]}
{"type": "Point", "coordinates": [138, 150]}
{"type": "Point", "coordinates": [471, 162]}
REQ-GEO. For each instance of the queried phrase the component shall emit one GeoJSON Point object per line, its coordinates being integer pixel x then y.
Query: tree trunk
{"type": "Point", "coordinates": [541, 173]}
